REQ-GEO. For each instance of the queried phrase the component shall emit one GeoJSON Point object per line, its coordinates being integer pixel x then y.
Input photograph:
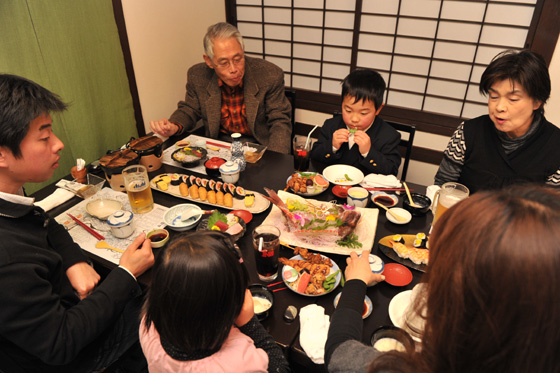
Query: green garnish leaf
{"type": "Point", "coordinates": [216, 215]}
{"type": "Point", "coordinates": [350, 241]}
{"type": "Point", "coordinates": [352, 130]}
{"type": "Point", "coordinates": [347, 177]}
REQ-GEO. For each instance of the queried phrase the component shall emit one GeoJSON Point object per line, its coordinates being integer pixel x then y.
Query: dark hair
{"type": "Point", "coordinates": [524, 67]}
{"type": "Point", "coordinates": [364, 84]}
{"type": "Point", "coordinates": [492, 286]}
{"type": "Point", "coordinates": [21, 101]}
{"type": "Point", "coordinates": [197, 291]}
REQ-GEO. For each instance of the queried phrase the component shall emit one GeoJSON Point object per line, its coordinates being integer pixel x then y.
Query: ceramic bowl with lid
{"type": "Point", "coordinates": [230, 172]}
{"type": "Point", "coordinates": [121, 223]}
{"type": "Point", "coordinates": [212, 166]}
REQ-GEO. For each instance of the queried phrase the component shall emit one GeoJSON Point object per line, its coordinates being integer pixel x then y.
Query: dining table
{"type": "Point", "coordinates": [272, 171]}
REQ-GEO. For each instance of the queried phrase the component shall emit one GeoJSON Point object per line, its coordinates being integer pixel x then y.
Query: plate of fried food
{"type": "Point", "coordinates": [310, 274]}
{"type": "Point", "coordinates": [307, 183]}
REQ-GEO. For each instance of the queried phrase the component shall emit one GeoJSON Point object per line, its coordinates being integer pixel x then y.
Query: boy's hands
{"type": "Point", "coordinates": [340, 137]}
{"type": "Point", "coordinates": [360, 137]}
{"type": "Point", "coordinates": [364, 142]}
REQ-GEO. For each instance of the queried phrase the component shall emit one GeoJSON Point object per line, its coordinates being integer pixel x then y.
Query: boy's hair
{"type": "Point", "coordinates": [197, 291]}
{"type": "Point", "coordinates": [221, 30]}
{"type": "Point", "coordinates": [364, 84]}
{"type": "Point", "coordinates": [523, 67]}
{"type": "Point", "coordinates": [21, 101]}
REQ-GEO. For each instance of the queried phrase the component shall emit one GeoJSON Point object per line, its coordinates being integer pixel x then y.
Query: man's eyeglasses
{"type": "Point", "coordinates": [223, 64]}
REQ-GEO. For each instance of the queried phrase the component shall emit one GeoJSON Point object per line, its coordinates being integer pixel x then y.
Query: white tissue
{"type": "Point", "coordinates": [314, 328]}
{"type": "Point", "coordinates": [381, 181]}
{"type": "Point", "coordinates": [80, 164]}
{"type": "Point", "coordinates": [57, 198]}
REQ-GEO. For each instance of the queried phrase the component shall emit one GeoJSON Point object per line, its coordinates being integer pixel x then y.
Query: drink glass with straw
{"type": "Point", "coordinates": [266, 242]}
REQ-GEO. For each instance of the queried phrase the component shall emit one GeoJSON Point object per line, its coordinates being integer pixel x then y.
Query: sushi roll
{"type": "Point", "coordinates": [192, 181]}
{"type": "Point", "coordinates": [231, 189]}
{"type": "Point", "coordinates": [218, 186]}
{"type": "Point", "coordinates": [225, 188]}
{"type": "Point", "coordinates": [204, 183]}
{"type": "Point", "coordinates": [422, 238]}
{"type": "Point", "coordinates": [398, 238]}
{"type": "Point", "coordinates": [418, 243]}
{"type": "Point", "coordinates": [175, 179]}
{"type": "Point", "coordinates": [211, 185]}
{"type": "Point", "coordinates": [185, 179]}
{"type": "Point", "coordinates": [239, 193]}
{"type": "Point", "coordinates": [198, 181]}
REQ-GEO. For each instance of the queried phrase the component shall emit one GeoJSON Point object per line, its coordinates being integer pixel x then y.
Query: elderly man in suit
{"type": "Point", "coordinates": [231, 93]}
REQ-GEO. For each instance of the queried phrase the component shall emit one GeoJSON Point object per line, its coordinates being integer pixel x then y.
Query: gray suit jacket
{"type": "Point", "coordinates": [268, 109]}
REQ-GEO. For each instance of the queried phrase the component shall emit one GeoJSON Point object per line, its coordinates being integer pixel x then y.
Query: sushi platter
{"type": "Point", "coordinates": [386, 247]}
{"type": "Point", "coordinates": [210, 192]}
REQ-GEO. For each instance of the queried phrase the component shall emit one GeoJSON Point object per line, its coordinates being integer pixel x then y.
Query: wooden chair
{"type": "Point", "coordinates": [405, 143]}
{"type": "Point", "coordinates": [291, 95]}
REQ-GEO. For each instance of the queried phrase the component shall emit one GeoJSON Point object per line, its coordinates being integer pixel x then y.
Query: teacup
{"type": "Point", "coordinates": [357, 196]}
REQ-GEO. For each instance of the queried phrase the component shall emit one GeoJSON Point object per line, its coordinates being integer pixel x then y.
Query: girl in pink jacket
{"type": "Point", "coordinates": [199, 316]}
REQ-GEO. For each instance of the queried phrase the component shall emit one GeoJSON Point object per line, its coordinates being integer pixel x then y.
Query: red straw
{"type": "Point", "coordinates": [276, 283]}
{"type": "Point", "coordinates": [275, 290]}
{"type": "Point", "coordinates": [93, 233]}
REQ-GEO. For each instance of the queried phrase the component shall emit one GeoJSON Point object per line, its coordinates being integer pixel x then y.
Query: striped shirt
{"type": "Point", "coordinates": [233, 113]}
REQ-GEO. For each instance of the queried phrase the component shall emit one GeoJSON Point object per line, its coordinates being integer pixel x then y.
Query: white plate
{"type": "Point", "coordinates": [318, 190]}
{"type": "Point", "coordinates": [334, 268]}
{"type": "Point", "coordinates": [337, 174]}
{"type": "Point", "coordinates": [367, 301]}
{"type": "Point", "coordinates": [397, 309]}
{"type": "Point", "coordinates": [401, 212]}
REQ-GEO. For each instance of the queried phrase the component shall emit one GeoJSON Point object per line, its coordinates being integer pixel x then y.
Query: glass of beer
{"type": "Point", "coordinates": [447, 196]}
{"type": "Point", "coordinates": [138, 189]}
{"type": "Point", "coordinates": [266, 241]}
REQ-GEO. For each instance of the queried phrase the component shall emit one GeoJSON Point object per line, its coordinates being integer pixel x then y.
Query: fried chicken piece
{"type": "Point", "coordinates": [313, 269]}
{"type": "Point", "coordinates": [312, 258]}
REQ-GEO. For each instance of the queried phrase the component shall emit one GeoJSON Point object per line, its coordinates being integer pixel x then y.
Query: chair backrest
{"type": "Point", "coordinates": [291, 95]}
{"type": "Point", "coordinates": [405, 143]}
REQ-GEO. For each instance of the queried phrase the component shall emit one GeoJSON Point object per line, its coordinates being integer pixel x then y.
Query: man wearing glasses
{"type": "Point", "coordinates": [231, 93]}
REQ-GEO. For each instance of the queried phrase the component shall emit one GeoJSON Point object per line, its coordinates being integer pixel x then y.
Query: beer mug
{"type": "Point", "coordinates": [138, 189]}
{"type": "Point", "coordinates": [449, 194]}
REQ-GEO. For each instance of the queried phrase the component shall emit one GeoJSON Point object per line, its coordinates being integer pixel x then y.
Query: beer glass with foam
{"type": "Point", "coordinates": [449, 194]}
{"type": "Point", "coordinates": [137, 186]}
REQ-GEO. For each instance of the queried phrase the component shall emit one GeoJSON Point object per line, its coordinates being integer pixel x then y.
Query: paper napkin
{"type": "Point", "coordinates": [314, 327]}
{"type": "Point", "coordinates": [57, 198]}
{"type": "Point", "coordinates": [381, 181]}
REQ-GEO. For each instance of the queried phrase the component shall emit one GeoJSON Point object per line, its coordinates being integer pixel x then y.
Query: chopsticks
{"type": "Point", "coordinates": [91, 231]}
{"type": "Point", "coordinates": [218, 144]}
{"type": "Point", "coordinates": [276, 283]}
{"type": "Point", "coordinates": [388, 189]}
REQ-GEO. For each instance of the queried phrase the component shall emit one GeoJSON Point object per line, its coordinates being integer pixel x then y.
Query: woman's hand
{"type": "Point", "coordinates": [358, 269]}
{"type": "Point", "coordinates": [247, 311]}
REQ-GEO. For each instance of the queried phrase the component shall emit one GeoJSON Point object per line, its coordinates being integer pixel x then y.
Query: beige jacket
{"type": "Point", "coordinates": [268, 109]}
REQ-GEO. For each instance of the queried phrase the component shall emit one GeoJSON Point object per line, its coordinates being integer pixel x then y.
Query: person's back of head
{"type": "Point", "coordinates": [21, 101]}
{"type": "Point", "coordinates": [524, 67]}
{"type": "Point", "coordinates": [221, 30]}
{"type": "Point", "coordinates": [492, 285]}
{"type": "Point", "coordinates": [364, 85]}
{"type": "Point", "coordinates": [197, 291]}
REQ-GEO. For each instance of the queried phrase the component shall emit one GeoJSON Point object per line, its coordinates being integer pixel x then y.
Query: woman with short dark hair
{"type": "Point", "coordinates": [489, 295]}
{"type": "Point", "coordinates": [514, 143]}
